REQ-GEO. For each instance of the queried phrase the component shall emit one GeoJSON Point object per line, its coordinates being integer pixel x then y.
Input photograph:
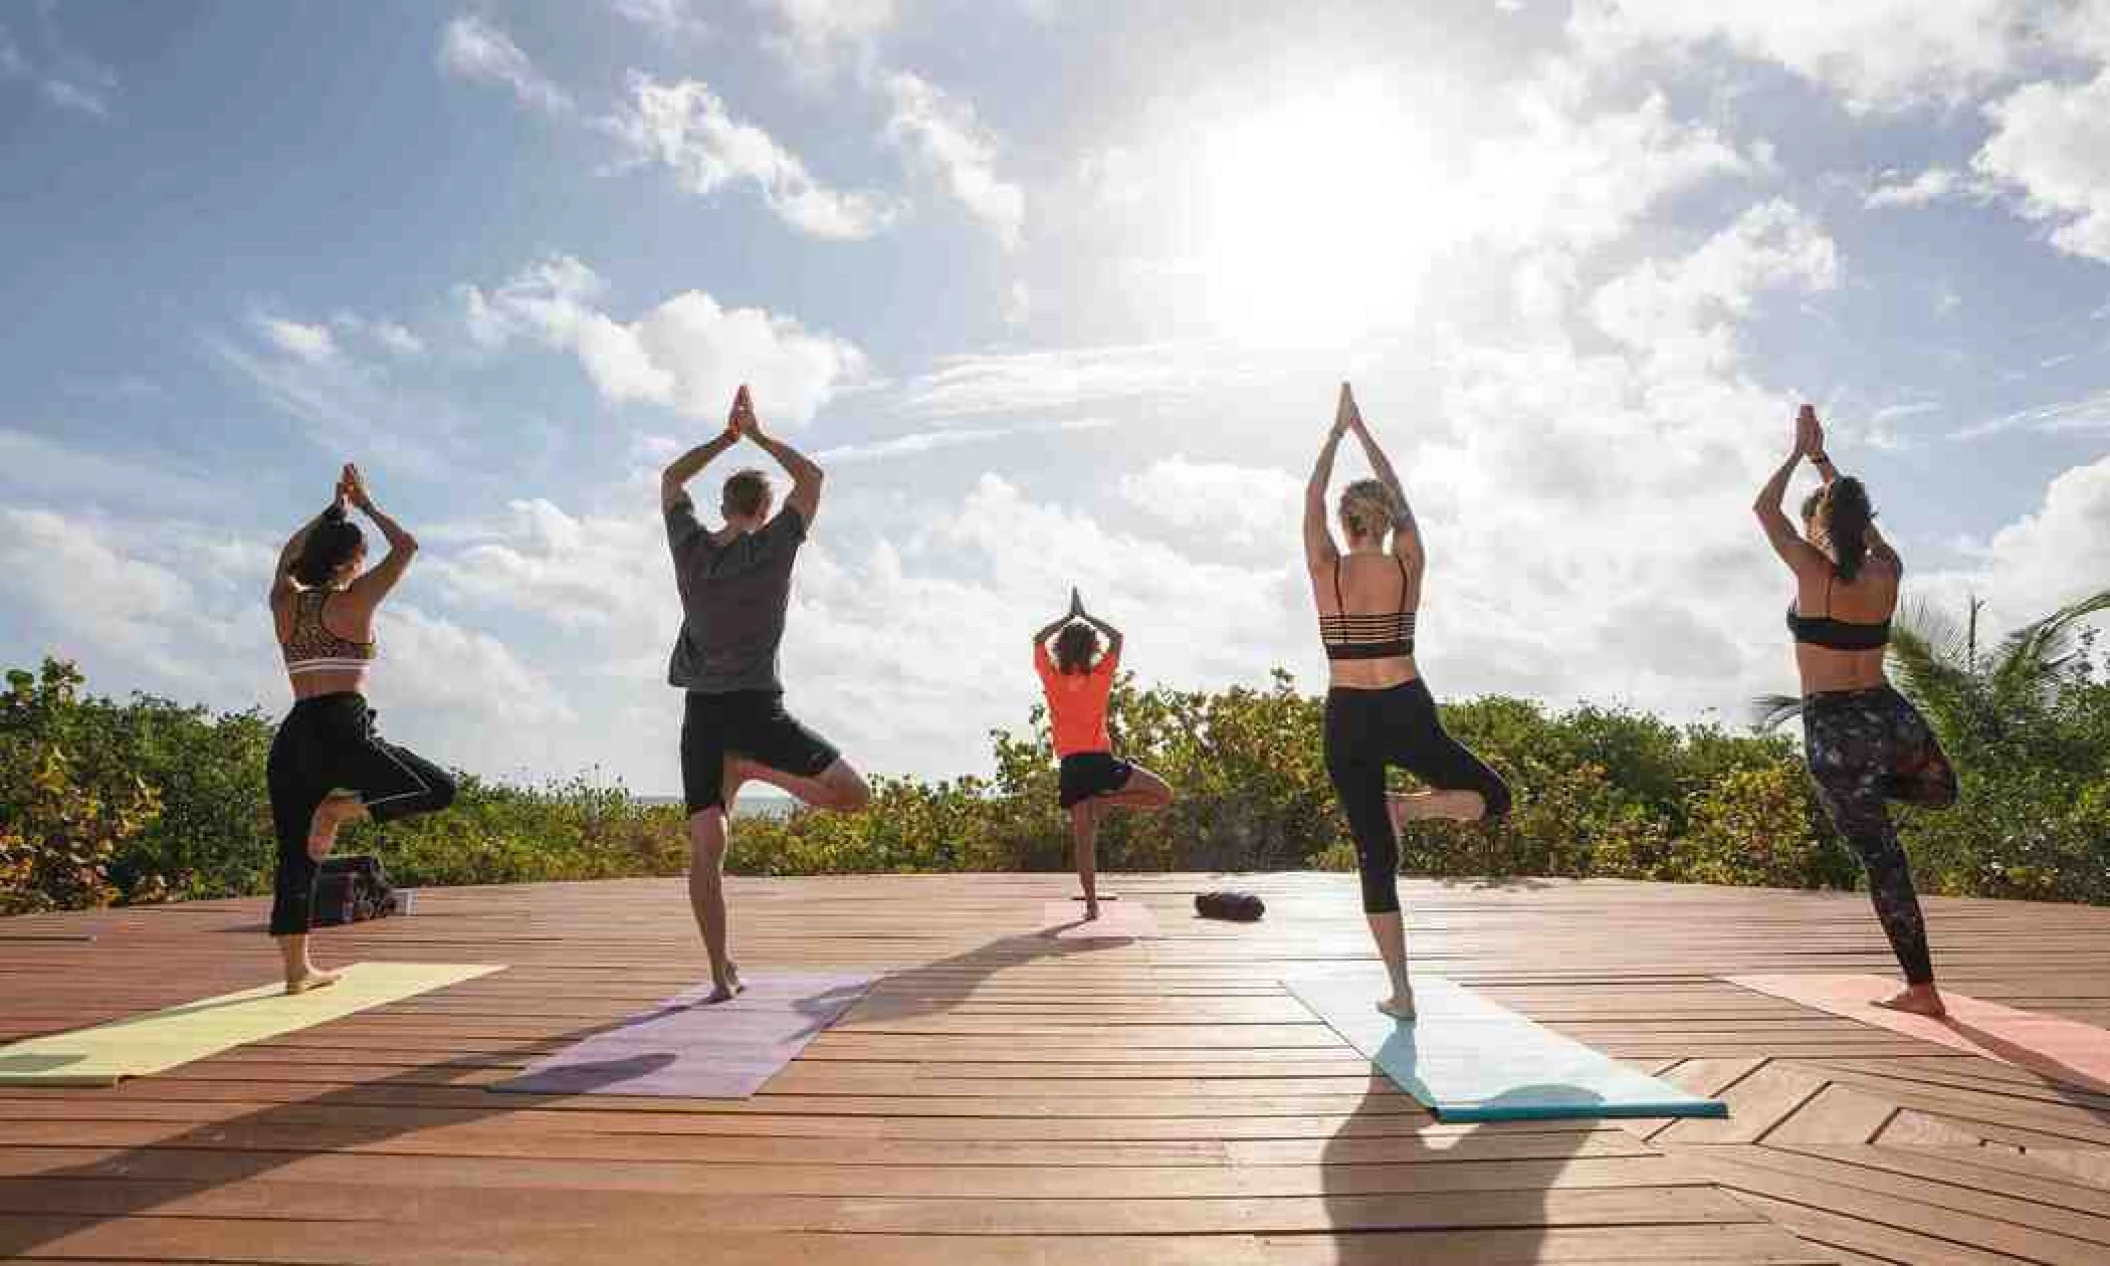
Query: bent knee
{"type": "Point", "coordinates": [1495, 801]}
{"type": "Point", "coordinates": [848, 791]}
{"type": "Point", "coordinates": [444, 790]}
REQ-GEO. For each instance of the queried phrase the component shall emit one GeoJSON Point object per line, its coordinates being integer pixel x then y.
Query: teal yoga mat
{"type": "Point", "coordinates": [1468, 1059]}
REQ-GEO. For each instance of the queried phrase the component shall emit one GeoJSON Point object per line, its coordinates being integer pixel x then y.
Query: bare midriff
{"type": "Point", "coordinates": [1826, 671]}
{"type": "Point", "coordinates": [332, 682]}
{"type": "Point", "coordinates": [1371, 674]}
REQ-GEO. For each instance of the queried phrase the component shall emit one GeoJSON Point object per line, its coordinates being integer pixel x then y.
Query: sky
{"type": "Point", "coordinates": [1061, 294]}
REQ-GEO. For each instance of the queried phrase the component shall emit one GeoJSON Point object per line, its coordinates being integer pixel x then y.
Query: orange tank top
{"type": "Point", "coordinates": [1077, 703]}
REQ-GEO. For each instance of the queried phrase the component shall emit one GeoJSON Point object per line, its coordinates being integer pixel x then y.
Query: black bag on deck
{"type": "Point", "coordinates": [1240, 907]}
{"type": "Point", "coordinates": [352, 890]}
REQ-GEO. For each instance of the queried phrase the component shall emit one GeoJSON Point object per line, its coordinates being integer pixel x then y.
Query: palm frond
{"type": "Point", "coordinates": [2033, 658]}
{"type": "Point", "coordinates": [1770, 712]}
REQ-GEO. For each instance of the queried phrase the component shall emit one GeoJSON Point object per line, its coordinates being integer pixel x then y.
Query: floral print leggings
{"type": "Point", "coordinates": [1865, 748]}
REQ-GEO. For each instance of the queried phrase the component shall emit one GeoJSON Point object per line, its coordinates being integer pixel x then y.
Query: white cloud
{"type": "Point", "coordinates": [47, 470]}
{"type": "Point", "coordinates": [2051, 142]}
{"type": "Point", "coordinates": [2049, 557]}
{"type": "Point", "coordinates": [476, 50]}
{"type": "Point", "coordinates": [447, 667]}
{"type": "Point", "coordinates": [2089, 414]}
{"type": "Point", "coordinates": [1241, 505]}
{"type": "Point", "coordinates": [13, 65]}
{"type": "Point", "coordinates": [1929, 186]}
{"type": "Point", "coordinates": [1876, 54]}
{"type": "Point", "coordinates": [668, 19]}
{"type": "Point", "coordinates": [944, 133]}
{"type": "Point", "coordinates": [1685, 308]}
{"type": "Point", "coordinates": [1043, 381]}
{"type": "Point", "coordinates": [67, 79]}
{"type": "Point", "coordinates": [686, 128]}
{"type": "Point", "coordinates": [687, 353]}
{"type": "Point", "coordinates": [64, 572]}
{"type": "Point", "coordinates": [311, 343]}
{"type": "Point", "coordinates": [1018, 305]}
{"type": "Point", "coordinates": [817, 38]}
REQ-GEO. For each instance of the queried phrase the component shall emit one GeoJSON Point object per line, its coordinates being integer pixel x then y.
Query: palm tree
{"type": "Point", "coordinates": [1973, 697]}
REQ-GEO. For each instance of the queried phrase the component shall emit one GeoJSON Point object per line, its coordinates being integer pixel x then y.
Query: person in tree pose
{"type": "Point", "coordinates": [328, 764]}
{"type": "Point", "coordinates": [1378, 710]}
{"type": "Point", "coordinates": [735, 586]}
{"type": "Point", "coordinates": [1865, 744]}
{"type": "Point", "coordinates": [1078, 680]}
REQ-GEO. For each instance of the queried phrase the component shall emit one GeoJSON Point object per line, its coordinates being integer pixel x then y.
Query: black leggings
{"type": "Point", "coordinates": [327, 744]}
{"type": "Point", "coordinates": [1366, 730]}
{"type": "Point", "coordinates": [1865, 748]}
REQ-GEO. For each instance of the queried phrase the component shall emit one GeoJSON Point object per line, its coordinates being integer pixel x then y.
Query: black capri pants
{"type": "Point", "coordinates": [1368, 730]}
{"type": "Point", "coordinates": [327, 745]}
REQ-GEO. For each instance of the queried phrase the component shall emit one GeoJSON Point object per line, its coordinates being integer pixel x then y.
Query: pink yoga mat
{"type": "Point", "coordinates": [2063, 1050]}
{"type": "Point", "coordinates": [1118, 920]}
{"type": "Point", "coordinates": [683, 1049]}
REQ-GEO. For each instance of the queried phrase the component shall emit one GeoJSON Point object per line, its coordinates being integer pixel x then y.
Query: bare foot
{"type": "Point", "coordinates": [331, 814]}
{"type": "Point", "coordinates": [1091, 910]}
{"type": "Point", "coordinates": [1916, 1000]}
{"type": "Point", "coordinates": [1400, 1006]}
{"type": "Point", "coordinates": [727, 989]}
{"type": "Point", "coordinates": [312, 979]}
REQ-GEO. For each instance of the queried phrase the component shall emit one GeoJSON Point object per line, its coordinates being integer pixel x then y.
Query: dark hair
{"type": "Point", "coordinates": [1847, 517]}
{"type": "Point", "coordinates": [746, 492]}
{"type": "Point", "coordinates": [330, 544]}
{"type": "Point", "coordinates": [1075, 646]}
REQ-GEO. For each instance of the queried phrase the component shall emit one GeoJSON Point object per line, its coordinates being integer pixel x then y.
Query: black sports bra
{"type": "Point", "coordinates": [1836, 635]}
{"type": "Point", "coordinates": [1385, 635]}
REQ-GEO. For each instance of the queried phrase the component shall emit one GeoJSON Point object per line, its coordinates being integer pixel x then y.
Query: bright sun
{"type": "Point", "coordinates": [1319, 215]}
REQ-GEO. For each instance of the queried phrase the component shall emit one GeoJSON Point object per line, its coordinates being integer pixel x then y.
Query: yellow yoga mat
{"type": "Point", "coordinates": [160, 1040]}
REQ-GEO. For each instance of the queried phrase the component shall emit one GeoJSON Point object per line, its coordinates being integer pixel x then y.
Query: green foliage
{"type": "Point", "coordinates": [148, 800]}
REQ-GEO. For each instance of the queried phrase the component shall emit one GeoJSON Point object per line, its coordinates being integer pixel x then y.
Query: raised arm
{"type": "Point", "coordinates": [1319, 549]}
{"type": "Point", "coordinates": [806, 477]}
{"type": "Point", "coordinates": [1878, 548]}
{"type": "Point", "coordinates": [1112, 634]}
{"type": "Point", "coordinates": [282, 575]}
{"type": "Point", "coordinates": [374, 584]}
{"type": "Point", "coordinates": [673, 481]}
{"type": "Point", "coordinates": [1797, 553]}
{"type": "Point", "coordinates": [1406, 532]}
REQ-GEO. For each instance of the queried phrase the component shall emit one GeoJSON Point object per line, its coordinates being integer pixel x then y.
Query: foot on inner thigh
{"type": "Point", "coordinates": [331, 814]}
{"type": "Point", "coordinates": [1916, 1000]}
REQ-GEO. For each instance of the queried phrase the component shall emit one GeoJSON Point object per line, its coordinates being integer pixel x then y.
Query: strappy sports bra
{"type": "Point", "coordinates": [313, 648]}
{"type": "Point", "coordinates": [1385, 635]}
{"type": "Point", "coordinates": [1836, 635]}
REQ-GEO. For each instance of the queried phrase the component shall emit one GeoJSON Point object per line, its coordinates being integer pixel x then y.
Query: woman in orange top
{"type": "Point", "coordinates": [1078, 681]}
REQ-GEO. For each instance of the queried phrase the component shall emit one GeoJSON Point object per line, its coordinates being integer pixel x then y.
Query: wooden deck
{"type": "Point", "coordinates": [1008, 1097]}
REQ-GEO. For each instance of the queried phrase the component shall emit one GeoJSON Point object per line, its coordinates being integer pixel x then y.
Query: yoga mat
{"type": "Point", "coordinates": [161, 1040]}
{"type": "Point", "coordinates": [1468, 1059]}
{"type": "Point", "coordinates": [2064, 1050]}
{"type": "Point", "coordinates": [684, 1049]}
{"type": "Point", "coordinates": [1127, 921]}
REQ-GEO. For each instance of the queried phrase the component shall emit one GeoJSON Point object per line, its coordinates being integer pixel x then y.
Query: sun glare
{"type": "Point", "coordinates": [1319, 215]}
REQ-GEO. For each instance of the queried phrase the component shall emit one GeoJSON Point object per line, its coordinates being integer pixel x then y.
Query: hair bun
{"type": "Point", "coordinates": [335, 514]}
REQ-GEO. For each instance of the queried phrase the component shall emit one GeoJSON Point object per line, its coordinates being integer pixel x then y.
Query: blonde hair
{"type": "Point", "coordinates": [1368, 509]}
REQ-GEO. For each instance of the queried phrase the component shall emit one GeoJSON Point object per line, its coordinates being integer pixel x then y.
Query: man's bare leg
{"type": "Point", "coordinates": [839, 788]}
{"type": "Point", "coordinates": [1084, 851]}
{"type": "Point", "coordinates": [707, 840]}
{"type": "Point", "coordinates": [1389, 930]}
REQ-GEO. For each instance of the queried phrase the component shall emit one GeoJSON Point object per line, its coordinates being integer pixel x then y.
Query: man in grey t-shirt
{"type": "Point", "coordinates": [735, 585]}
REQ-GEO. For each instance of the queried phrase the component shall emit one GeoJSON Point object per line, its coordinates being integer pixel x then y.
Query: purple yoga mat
{"type": "Point", "coordinates": [682, 1049]}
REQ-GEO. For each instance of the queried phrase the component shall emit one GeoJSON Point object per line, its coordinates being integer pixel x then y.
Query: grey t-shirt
{"type": "Point", "coordinates": [733, 598]}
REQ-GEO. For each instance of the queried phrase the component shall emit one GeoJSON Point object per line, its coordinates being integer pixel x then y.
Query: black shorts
{"type": "Point", "coordinates": [1088, 774]}
{"type": "Point", "coordinates": [749, 723]}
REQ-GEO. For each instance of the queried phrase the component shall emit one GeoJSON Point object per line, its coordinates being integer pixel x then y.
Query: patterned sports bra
{"type": "Point", "coordinates": [313, 648]}
{"type": "Point", "coordinates": [1384, 635]}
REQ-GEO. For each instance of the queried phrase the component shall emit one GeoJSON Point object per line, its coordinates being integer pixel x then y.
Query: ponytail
{"type": "Point", "coordinates": [330, 544]}
{"type": "Point", "coordinates": [1847, 518]}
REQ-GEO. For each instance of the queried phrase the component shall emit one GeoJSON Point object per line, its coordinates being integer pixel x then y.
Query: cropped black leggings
{"type": "Point", "coordinates": [1866, 748]}
{"type": "Point", "coordinates": [1367, 730]}
{"type": "Point", "coordinates": [327, 745]}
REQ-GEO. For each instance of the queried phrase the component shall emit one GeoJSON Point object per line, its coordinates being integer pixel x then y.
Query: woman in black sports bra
{"type": "Point", "coordinates": [1865, 743]}
{"type": "Point", "coordinates": [1378, 711]}
{"type": "Point", "coordinates": [328, 766]}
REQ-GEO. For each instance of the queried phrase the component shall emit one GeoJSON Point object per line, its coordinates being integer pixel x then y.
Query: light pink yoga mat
{"type": "Point", "coordinates": [2063, 1050]}
{"type": "Point", "coordinates": [1119, 921]}
{"type": "Point", "coordinates": [682, 1049]}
